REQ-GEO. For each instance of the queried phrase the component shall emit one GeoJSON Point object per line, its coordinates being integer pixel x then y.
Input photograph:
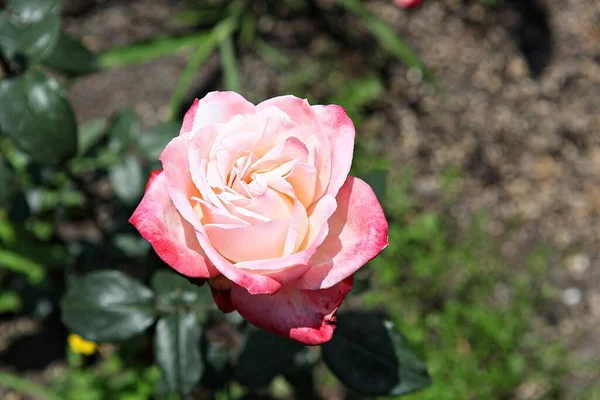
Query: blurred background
{"type": "Point", "coordinates": [477, 123]}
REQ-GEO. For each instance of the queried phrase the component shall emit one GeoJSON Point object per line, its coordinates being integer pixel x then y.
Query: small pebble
{"type": "Point", "coordinates": [572, 296]}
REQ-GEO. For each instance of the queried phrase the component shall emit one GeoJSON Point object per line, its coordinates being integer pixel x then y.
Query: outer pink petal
{"type": "Point", "coordinates": [173, 239]}
{"type": "Point", "coordinates": [307, 316]}
{"type": "Point", "coordinates": [358, 231]}
{"type": "Point", "coordinates": [222, 300]}
{"type": "Point", "coordinates": [340, 130]}
{"type": "Point", "coordinates": [151, 177]}
{"type": "Point", "coordinates": [215, 107]}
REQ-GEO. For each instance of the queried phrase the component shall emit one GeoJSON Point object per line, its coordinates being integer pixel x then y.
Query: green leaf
{"type": "Point", "coordinates": [177, 351]}
{"type": "Point", "coordinates": [4, 180]}
{"type": "Point", "coordinates": [370, 356]}
{"type": "Point", "coordinates": [199, 16]}
{"type": "Point", "coordinates": [216, 355]}
{"type": "Point", "coordinates": [377, 179]}
{"type": "Point", "coordinates": [388, 39]}
{"type": "Point", "coordinates": [154, 141]}
{"type": "Point", "coordinates": [38, 118]}
{"type": "Point", "coordinates": [133, 246]}
{"type": "Point", "coordinates": [356, 94]}
{"type": "Point", "coordinates": [147, 51]}
{"type": "Point", "coordinates": [176, 291]}
{"type": "Point", "coordinates": [127, 180]}
{"type": "Point", "coordinates": [90, 135]}
{"type": "Point", "coordinates": [107, 306]}
{"type": "Point", "coordinates": [265, 356]}
{"type": "Point", "coordinates": [18, 263]}
{"type": "Point", "coordinates": [229, 62]}
{"type": "Point", "coordinates": [9, 302]}
{"type": "Point", "coordinates": [71, 57]}
{"type": "Point", "coordinates": [124, 128]}
{"type": "Point", "coordinates": [27, 386]}
{"type": "Point", "coordinates": [271, 55]}
{"type": "Point", "coordinates": [204, 49]}
{"type": "Point", "coordinates": [248, 30]}
{"type": "Point", "coordinates": [34, 40]}
{"type": "Point", "coordinates": [300, 374]}
{"type": "Point", "coordinates": [35, 10]}
{"type": "Point", "coordinates": [256, 396]}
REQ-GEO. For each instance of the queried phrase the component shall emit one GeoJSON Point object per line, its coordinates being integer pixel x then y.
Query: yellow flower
{"type": "Point", "coordinates": [80, 345]}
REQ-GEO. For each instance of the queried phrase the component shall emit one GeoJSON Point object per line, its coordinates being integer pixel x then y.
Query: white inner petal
{"type": "Point", "coordinates": [255, 183]}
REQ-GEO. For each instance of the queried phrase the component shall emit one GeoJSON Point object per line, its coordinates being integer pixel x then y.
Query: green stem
{"type": "Point", "coordinates": [388, 39]}
{"type": "Point", "coordinates": [26, 386]}
{"type": "Point", "coordinates": [230, 65]}
{"type": "Point", "coordinates": [142, 52]}
{"type": "Point", "coordinates": [219, 33]}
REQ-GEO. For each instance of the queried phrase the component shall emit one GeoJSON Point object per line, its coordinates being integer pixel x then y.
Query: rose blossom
{"type": "Point", "coordinates": [257, 199]}
{"type": "Point", "coordinates": [407, 3]}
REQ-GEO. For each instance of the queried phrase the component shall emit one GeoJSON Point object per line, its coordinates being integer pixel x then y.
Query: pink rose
{"type": "Point", "coordinates": [407, 3]}
{"type": "Point", "coordinates": [257, 199]}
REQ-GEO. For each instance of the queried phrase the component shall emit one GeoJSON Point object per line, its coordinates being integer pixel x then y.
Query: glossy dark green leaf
{"type": "Point", "coordinates": [175, 291]}
{"type": "Point", "coordinates": [4, 180]}
{"type": "Point", "coordinates": [124, 127]}
{"type": "Point", "coordinates": [34, 40]}
{"type": "Point", "coordinates": [265, 356]}
{"type": "Point", "coordinates": [377, 179]}
{"type": "Point", "coordinates": [218, 356]}
{"type": "Point", "coordinates": [90, 134]}
{"type": "Point", "coordinates": [300, 374]}
{"type": "Point", "coordinates": [19, 210]}
{"type": "Point", "coordinates": [177, 351]}
{"type": "Point", "coordinates": [71, 57]}
{"type": "Point", "coordinates": [107, 306]}
{"type": "Point", "coordinates": [35, 10]}
{"type": "Point", "coordinates": [217, 346]}
{"type": "Point", "coordinates": [258, 396]}
{"type": "Point", "coordinates": [131, 245]}
{"type": "Point", "coordinates": [38, 118]}
{"type": "Point", "coordinates": [371, 357]}
{"type": "Point", "coordinates": [128, 180]}
{"type": "Point", "coordinates": [154, 141]}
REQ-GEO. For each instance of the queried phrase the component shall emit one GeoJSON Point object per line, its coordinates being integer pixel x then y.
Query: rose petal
{"type": "Point", "coordinates": [307, 316]}
{"type": "Point", "coordinates": [290, 149]}
{"type": "Point", "coordinates": [317, 231]}
{"type": "Point", "coordinates": [173, 239]}
{"type": "Point", "coordinates": [215, 107]}
{"type": "Point", "coordinates": [151, 177]}
{"type": "Point", "coordinates": [222, 299]}
{"type": "Point", "coordinates": [255, 284]}
{"type": "Point", "coordinates": [220, 287]}
{"type": "Point", "coordinates": [298, 229]}
{"type": "Point", "coordinates": [177, 174]}
{"type": "Point", "coordinates": [302, 114]}
{"type": "Point", "coordinates": [176, 167]}
{"type": "Point", "coordinates": [298, 110]}
{"type": "Point", "coordinates": [271, 204]}
{"type": "Point", "coordinates": [249, 242]}
{"type": "Point", "coordinates": [303, 179]}
{"type": "Point", "coordinates": [340, 130]}
{"type": "Point", "coordinates": [358, 231]}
